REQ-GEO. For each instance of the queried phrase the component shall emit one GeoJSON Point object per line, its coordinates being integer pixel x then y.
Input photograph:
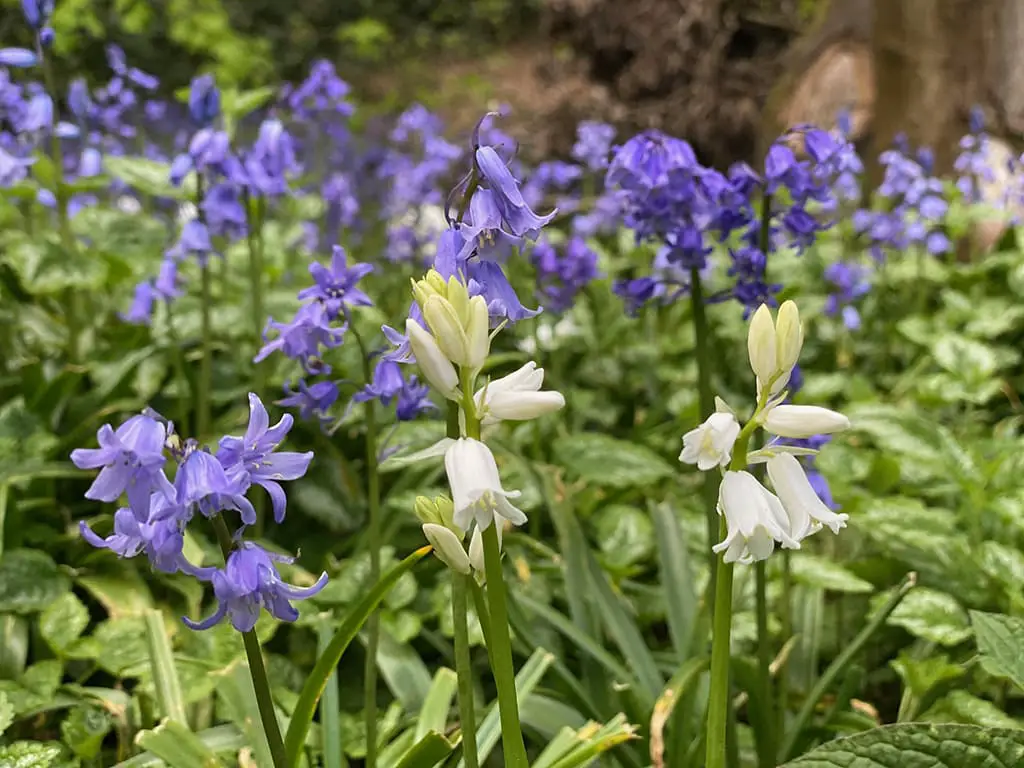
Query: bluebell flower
{"type": "Point", "coordinates": [323, 92]}
{"type": "Point", "coordinates": [250, 581]}
{"type": "Point", "coordinates": [202, 482]}
{"type": "Point", "coordinates": [848, 283]}
{"type": "Point", "coordinates": [488, 279]}
{"type": "Point", "coordinates": [386, 384]}
{"type": "Point", "coordinates": [253, 455]}
{"type": "Point", "coordinates": [817, 480]}
{"type": "Point", "coordinates": [222, 207]}
{"type": "Point", "coordinates": [119, 64]}
{"type": "Point", "coordinates": [402, 352]}
{"type": "Point", "coordinates": [336, 286]}
{"type": "Point", "coordinates": [593, 144]}
{"type": "Point", "coordinates": [17, 57]}
{"type": "Point", "coordinates": [518, 218]}
{"type": "Point", "coordinates": [166, 286]}
{"type": "Point", "coordinates": [203, 100]}
{"type": "Point", "coordinates": [271, 160]}
{"type": "Point", "coordinates": [413, 399]}
{"type": "Point", "coordinates": [13, 169]}
{"type": "Point", "coordinates": [302, 338]}
{"type": "Point", "coordinates": [141, 310]}
{"type": "Point", "coordinates": [553, 176]}
{"type": "Point", "coordinates": [972, 165]}
{"type": "Point", "coordinates": [130, 460]}
{"type": "Point", "coordinates": [313, 401]}
{"type": "Point", "coordinates": [636, 292]}
{"type": "Point", "coordinates": [562, 275]}
{"type": "Point", "coordinates": [37, 12]}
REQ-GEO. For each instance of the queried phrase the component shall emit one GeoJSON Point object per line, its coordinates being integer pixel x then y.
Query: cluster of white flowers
{"type": "Point", "coordinates": [756, 519]}
{"type": "Point", "coordinates": [450, 352]}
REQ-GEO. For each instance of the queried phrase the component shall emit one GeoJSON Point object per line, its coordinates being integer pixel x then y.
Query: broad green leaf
{"type": "Point", "coordinates": [29, 581]}
{"type": "Point", "coordinates": [302, 715]}
{"type": "Point", "coordinates": [30, 754]}
{"type": "Point", "coordinates": [932, 615]}
{"type": "Point", "coordinates": [921, 675]}
{"type": "Point", "coordinates": [966, 708]}
{"type": "Point", "coordinates": [220, 739]}
{"type": "Point", "coordinates": [606, 461]}
{"type": "Point", "coordinates": [148, 176]}
{"type": "Point", "coordinates": [119, 646]}
{"type": "Point", "coordinates": [823, 573]}
{"type": "Point", "coordinates": [13, 645]}
{"type": "Point", "coordinates": [122, 594]}
{"type": "Point", "coordinates": [625, 535]}
{"type": "Point", "coordinates": [43, 677]}
{"type": "Point", "coordinates": [1001, 644]}
{"type": "Point", "coordinates": [63, 621]}
{"type": "Point", "coordinates": [1003, 563]}
{"type": "Point", "coordinates": [84, 729]}
{"type": "Point", "coordinates": [6, 713]}
{"type": "Point", "coordinates": [904, 746]}
{"type": "Point", "coordinates": [177, 746]}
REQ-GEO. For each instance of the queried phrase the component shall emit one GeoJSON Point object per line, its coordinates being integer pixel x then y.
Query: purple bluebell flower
{"type": "Point", "coordinates": [141, 310]}
{"type": "Point", "coordinates": [132, 460]}
{"type": "Point", "coordinates": [203, 482]}
{"type": "Point", "coordinates": [37, 12]}
{"type": "Point", "coordinates": [849, 283]}
{"type": "Point", "coordinates": [413, 399]}
{"type": "Point", "coordinates": [203, 100]}
{"type": "Point", "coordinates": [223, 209]}
{"type": "Point", "coordinates": [271, 160]}
{"type": "Point", "coordinates": [313, 401]}
{"type": "Point", "coordinates": [561, 275]}
{"type": "Point", "coordinates": [518, 218]}
{"type": "Point", "coordinates": [13, 169]}
{"type": "Point", "coordinates": [972, 165]}
{"type": "Point", "coordinates": [17, 57]}
{"type": "Point", "coordinates": [386, 384]}
{"type": "Point", "coordinates": [303, 337]}
{"type": "Point", "coordinates": [553, 176]}
{"type": "Point", "coordinates": [402, 352]}
{"type": "Point", "coordinates": [167, 283]}
{"type": "Point", "coordinates": [593, 144]}
{"type": "Point", "coordinates": [322, 93]}
{"type": "Point", "coordinates": [488, 279]}
{"type": "Point", "coordinates": [336, 286]}
{"type": "Point", "coordinates": [250, 581]}
{"type": "Point", "coordinates": [636, 292]}
{"type": "Point", "coordinates": [253, 456]}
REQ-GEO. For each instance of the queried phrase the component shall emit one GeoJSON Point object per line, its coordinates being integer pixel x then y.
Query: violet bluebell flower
{"type": "Point", "coordinates": [253, 456]}
{"type": "Point", "coordinates": [141, 310]}
{"type": "Point", "coordinates": [130, 460]}
{"type": "Point", "coordinates": [13, 169]}
{"type": "Point", "coordinates": [386, 384]}
{"type": "Point", "coordinates": [553, 176]}
{"type": "Point", "coordinates": [37, 12]}
{"type": "Point", "coordinates": [972, 165]}
{"type": "Point", "coordinates": [302, 338]}
{"type": "Point", "coordinates": [203, 100]}
{"type": "Point", "coordinates": [402, 352]}
{"type": "Point", "coordinates": [21, 58]}
{"type": "Point", "coordinates": [313, 401]}
{"type": "Point", "coordinates": [335, 287]}
{"type": "Point", "coordinates": [223, 210]}
{"type": "Point", "coordinates": [167, 283]}
{"type": "Point", "coordinates": [518, 218]}
{"type": "Point", "coordinates": [848, 282]}
{"type": "Point", "coordinates": [488, 279]}
{"type": "Point", "coordinates": [593, 144]}
{"type": "Point", "coordinates": [203, 482]}
{"type": "Point", "coordinates": [117, 61]}
{"type": "Point", "coordinates": [561, 275]}
{"type": "Point", "coordinates": [323, 92]}
{"type": "Point", "coordinates": [250, 581]}
{"type": "Point", "coordinates": [636, 292]}
{"type": "Point", "coordinates": [413, 399]}
{"type": "Point", "coordinates": [271, 160]}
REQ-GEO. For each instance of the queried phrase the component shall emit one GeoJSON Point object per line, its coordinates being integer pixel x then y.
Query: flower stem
{"type": "Point", "coordinates": [255, 211]}
{"type": "Point", "coordinates": [257, 669]}
{"type": "Point", "coordinates": [766, 732]}
{"type": "Point", "coordinates": [206, 363]}
{"type": "Point", "coordinates": [464, 668]}
{"type": "Point", "coordinates": [706, 400]}
{"type": "Point", "coordinates": [718, 698]}
{"type": "Point", "coordinates": [501, 655]}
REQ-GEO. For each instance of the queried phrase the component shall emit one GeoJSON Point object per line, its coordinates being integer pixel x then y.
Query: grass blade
{"type": "Point", "coordinates": [330, 709]}
{"type": "Point", "coordinates": [302, 715]}
{"type": "Point", "coordinates": [676, 579]}
{"type": "Point", "coordinates": [437, 704]}
{"type": "Point", "coordinates": [219, 739]}
{"type": "Point", "coordinates": [177, 746]}
{"type": "Point", "coordinates": [165, 675]}
{"type": "Point", "coordinates": [427, 752]}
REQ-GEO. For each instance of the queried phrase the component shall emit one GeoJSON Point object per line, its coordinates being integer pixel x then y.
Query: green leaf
{"type": "Point", "coordinates": [219, 739]}
{"type": "Point", "coordinates": [966, 708]}
{"type": "Point", "coordinates": [427, 752]}
{"type": "Point", "coordinates": [237, 693]}
{"type": "Point", "coordinates": [165, 675]}
{"type": "Point", "coordinates": [29, 581]}
{"type": "Point", "coordinates": [6, 713]}
{"type": "Point", "coordinates": [676, 573]}
{"type": "Point", "coordinates": [933, 616]}
{"type": "Point", "coordinates": [63, 622]}
{"type": "Point", "coordinates": [605, 461]}
{"type": "Point", "coordinates": [177, 746]}
{"type": "Point", "coordinates": [119, 646]}
{"type": "Point", "coordinates": [84, 729]}
{"type": "Point", "coordinates": [437, 704]}
{"type": "Point", "coordinates": [30, 754]}
{"type": "Point", "coordinates": [302, 715]}
{"type": "Point", "coordinates": [902, 746]}
{"type": "Point", "coordinates": [625, 535]}
{"type": "Point", "coordinates": [823, 573]}
{"type": "Point", "coordinates": [123, 594]}
{"type": "Point", "coordinates": [921, 675]}
{"type": "Point", "coordinates": [149, 176]}
{"type": "Point", "coordinates": [1000, 641]}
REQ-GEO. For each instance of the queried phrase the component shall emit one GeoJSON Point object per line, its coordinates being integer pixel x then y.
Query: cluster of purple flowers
{"type": "Point", "coordinates": [848, 282]}
{"type": "Point", "coordinates": [563, 272]}
{"type": "Point", "coordinates": [133, 460]}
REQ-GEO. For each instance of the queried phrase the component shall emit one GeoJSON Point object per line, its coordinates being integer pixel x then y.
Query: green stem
{"type": "Point", "coordinates": [184, 384]}
{"type": "Point", "coordinates": [501, 655]}
{"type": "Point", "coordinates": [255, 210]}
{"type": "Point", "coordinates": [73, 298]}
{"type": "Point", "coordinates": [718, 698]}
{"type": "Point", "coordinates": [373, 534]}
{"type": "Point", "coordinates": [706, 400]}
{"type": "Point", "coordinates": [840, 663]}
{"type": "Point", "coordinates": [786, 617]}
{"type": "Point", "coordinates": [257, 670]}
{"type": "Point", "coordinates": [464, 668]}
{"type": "Point", "coordinates": [206, 362]}
{"type": "Point", "coordinates": [766, 733]}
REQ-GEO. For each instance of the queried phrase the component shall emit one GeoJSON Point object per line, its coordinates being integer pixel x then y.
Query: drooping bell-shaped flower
{"type": "Point", "coordinates": [710, 444]}
{"type": "Point", "coordinates": [250, 580]}
{"type": "Point", "coordinates": [806, 512]}
{"type": "Point", "coordinates": [517, 397]}
{"type": "Point", "coordinates": [803, 421]}
{"type": "Point", "coordinates": [203, 100]}
{"type": "Point", "coordinates": [476, 486]}
{"type": "Point", "coordinates": [519, 219]}
{"type": "Point", "coordinates": [755, 520]}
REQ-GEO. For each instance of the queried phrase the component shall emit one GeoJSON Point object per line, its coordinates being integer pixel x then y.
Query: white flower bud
{"type": "Point", "coordinates": [800, 421]}
{"type": "Point", "coordinates": [478, 333]}
{"type": "Point", "coordinates": [761, 344]}
{"type": "Point", "coordinates": [435, 367]}
{"type": "Point", "coordinates": [447, 329]}
{"type": "Point", "coordinates": [806, 512]}
{"type": "Point", "coordinates": [789, 339]}
{"type": "Point", "coordinates": [447, 547]}
{"type": "Point", "coordinates": [710, 444]}
{"type": "Point", "coordinates": [458, 297]}
{"type": "Point", "coordinates": [522, 406]}
{"type": "Point", "coordinates": [476, 545]}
